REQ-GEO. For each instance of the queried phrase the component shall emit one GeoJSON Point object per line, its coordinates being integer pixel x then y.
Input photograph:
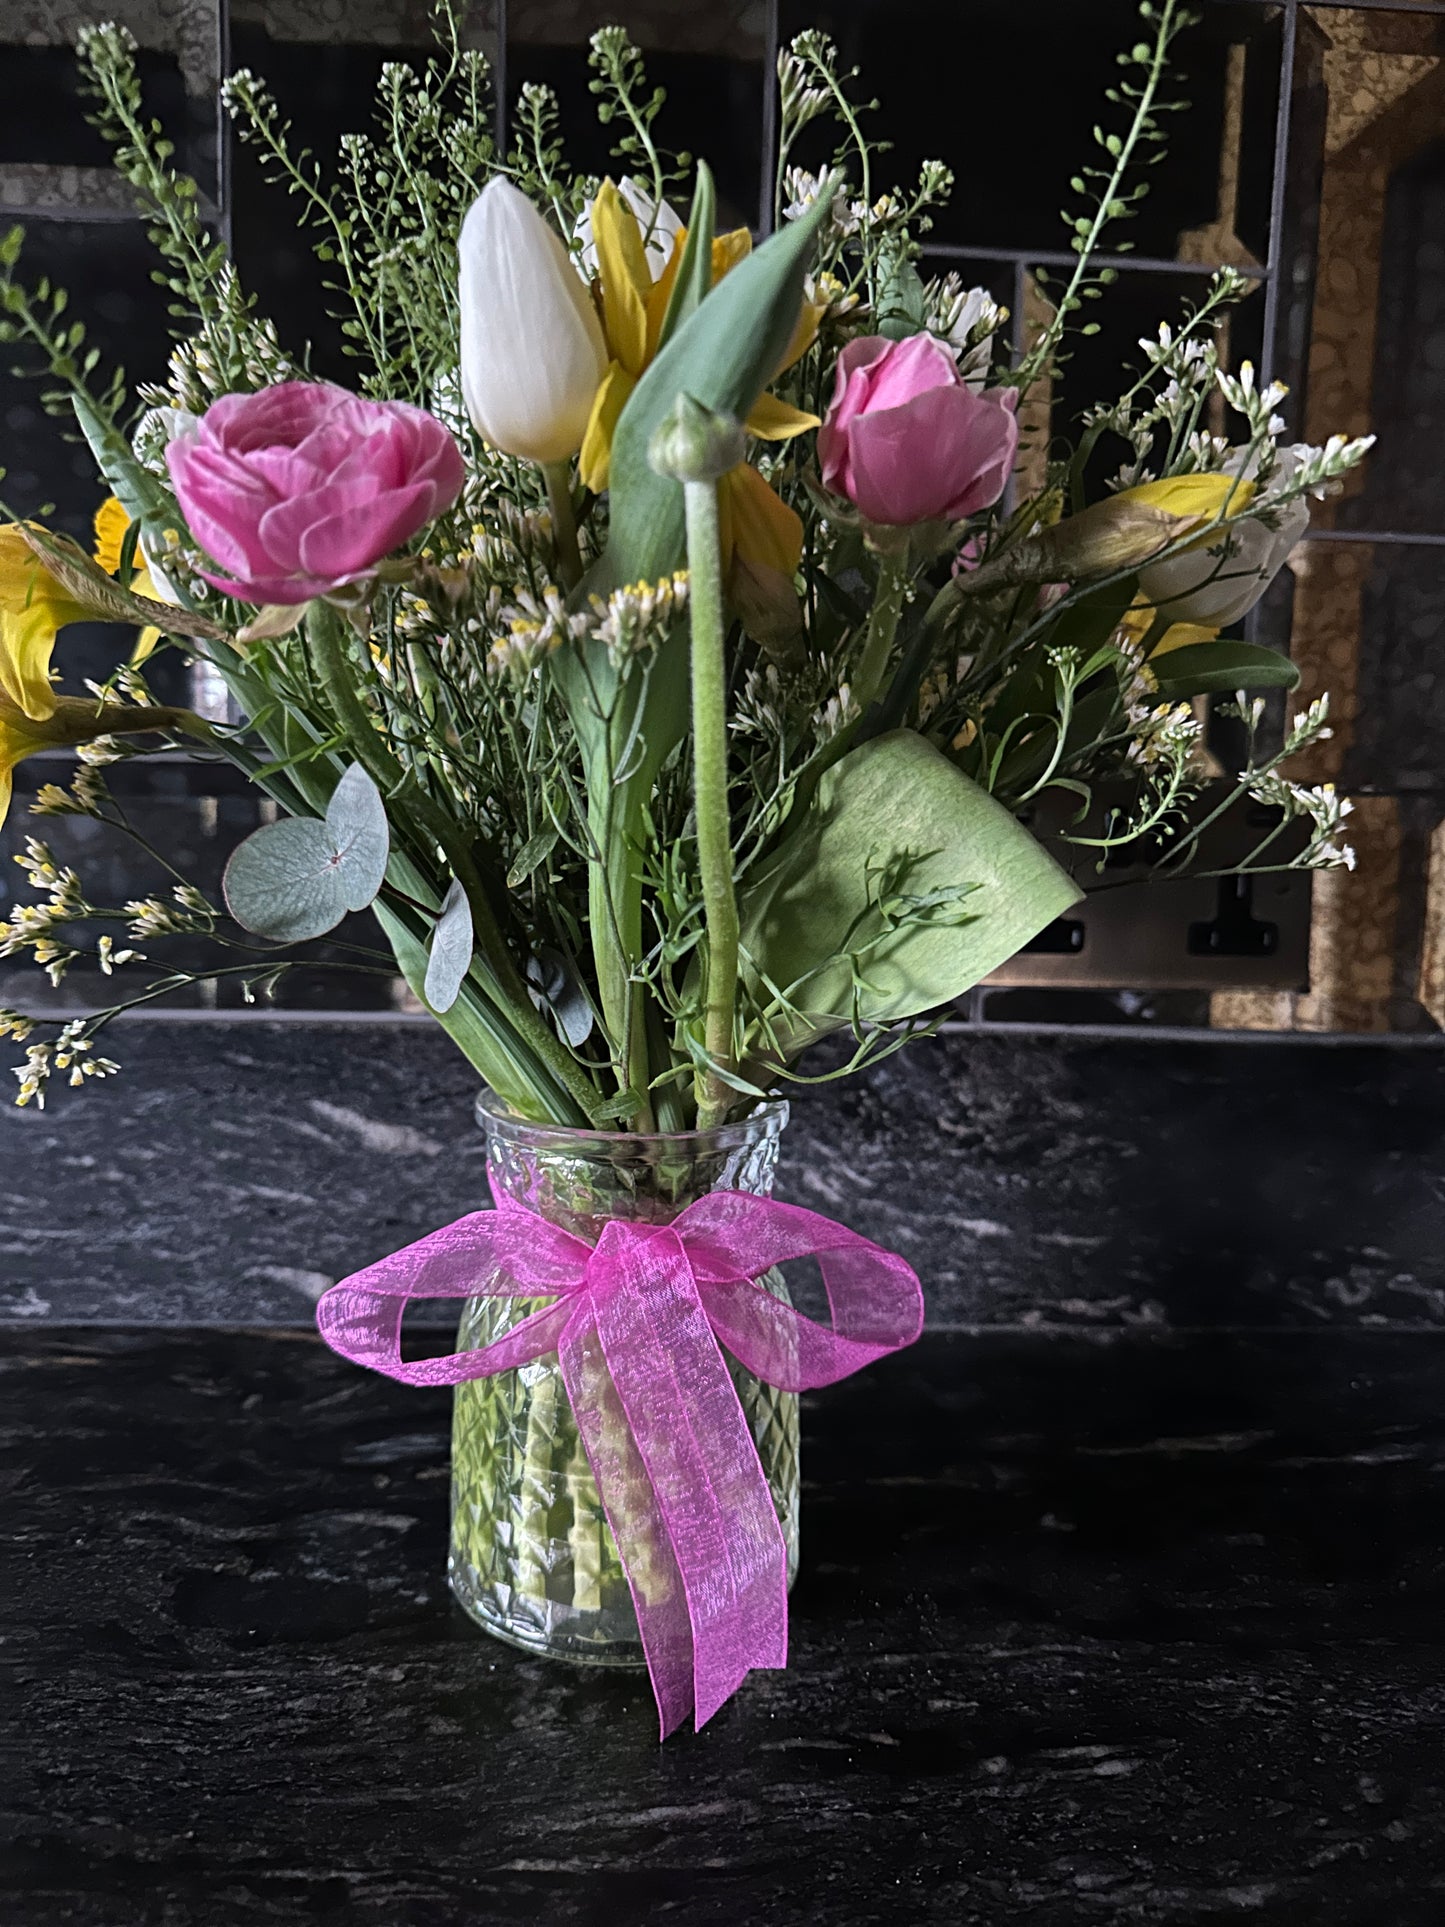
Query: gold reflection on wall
{"type": "Point", "coordinates": [1383, 85]}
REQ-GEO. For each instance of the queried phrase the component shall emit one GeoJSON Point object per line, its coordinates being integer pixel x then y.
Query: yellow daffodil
{"type": "Point", "coordinates": [34, 608]}
{"type": "Point", "coordinates": [757, 524]}
{"type": "Point", "coordinates": [111, 523]}
{"type": "Point", "coordinates": [1208, 497]}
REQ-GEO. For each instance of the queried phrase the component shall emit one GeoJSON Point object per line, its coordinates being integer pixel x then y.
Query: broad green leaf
{"type": "Point", "coordinates": [724, 355]}
{"type": "Point", "coordinates": [449, 955]}
{"type": "Point", "coordinates": [893, 817]}
{"type": "Point", "coordinates": [296, 879]}
{"type": "Point", "coordinates": [1205, 668]}
{"type": "Point", "coordinates": [694, 270]}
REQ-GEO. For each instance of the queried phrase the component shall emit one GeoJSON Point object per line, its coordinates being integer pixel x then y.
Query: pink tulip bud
{"type": "Point", "coordinates": [906, 440]}
{"type": "Point", "coordinates": [302, 488]}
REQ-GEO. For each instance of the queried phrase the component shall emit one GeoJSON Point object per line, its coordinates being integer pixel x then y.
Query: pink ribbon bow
{"type": "Point", "coordinates": [636, 1322]}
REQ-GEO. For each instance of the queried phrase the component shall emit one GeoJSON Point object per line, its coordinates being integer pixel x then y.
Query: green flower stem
{"type": "Point", "coordinates": [715, 1097]}
{"type": "Point", "coordinates": [323, 629]}
{"type": "Point", "coordinates": [883, 622]}
{"type": "Point", "coordinates": [564, 522]}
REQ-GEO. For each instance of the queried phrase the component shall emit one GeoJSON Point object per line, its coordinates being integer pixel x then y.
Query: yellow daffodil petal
{"type": "Point", "coordinates": [1207, 496]}
{"type": "Point", "coordinates": [804, 335]}
{"type": "Point", "coordinates": [756, 523]}
{"type": "Point", "coordinates": [772, 420]}
{"type": "Point", "coordinates": [142, 584]}
{"type": "Point", "coordinates": [20, 737]}
{"type": "Point", "coordinates": [626, 279]}
{"type": "Point", "coordinates": [32, 608]}
{"type": "Point", "coordinates": [111, 523]}
{"type": "Point", "coordinates": [1180, 635]}
{"type": "Point", "coordinates": [661, 293]}
{"type": "Point", "coordinates": [728, 249]}
{"type": "Point", "coordinates": [607, 405]}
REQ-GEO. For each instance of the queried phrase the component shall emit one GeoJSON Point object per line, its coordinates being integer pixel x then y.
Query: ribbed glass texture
{"type": "Point", "coordinates": [532, 1557]}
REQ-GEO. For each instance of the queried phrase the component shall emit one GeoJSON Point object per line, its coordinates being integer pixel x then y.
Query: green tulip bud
{"type": "Point", "coordinates": [694, 443]}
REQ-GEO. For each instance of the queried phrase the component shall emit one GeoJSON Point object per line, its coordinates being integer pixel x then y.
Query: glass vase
{"type": "Point", "coordinates": [533, 1559]}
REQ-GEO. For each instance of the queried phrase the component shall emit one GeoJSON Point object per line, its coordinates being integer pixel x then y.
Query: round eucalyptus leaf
{"type": "Point", "coordinates": [450, 955]}
{"type": "Point", "coordinates": [356, 818]}
{"type": "Point", "coordinates": [296, 879]}
{"type": "Point", "coordinates": [557, 989]}
{"type": "Point", "coordinates": [285, 881]}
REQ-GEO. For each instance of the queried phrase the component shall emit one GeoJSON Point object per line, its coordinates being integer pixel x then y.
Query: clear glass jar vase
{"type": "Point", "coordinates": [532, 1557]}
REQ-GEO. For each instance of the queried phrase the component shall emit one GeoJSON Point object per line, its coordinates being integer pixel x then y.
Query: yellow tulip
{"type": "Point", "coordinates": [755, 522]}
{"type": "Point", "coordinates": [1206, 496]}
{"type": "Point", "coordinates": [1213, 498]}
{"type": "Point", "coordinates": [111, 523]}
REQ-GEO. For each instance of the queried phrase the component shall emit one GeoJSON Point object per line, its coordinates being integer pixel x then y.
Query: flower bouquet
{"type": "Point", "coordinates": [659, 638]}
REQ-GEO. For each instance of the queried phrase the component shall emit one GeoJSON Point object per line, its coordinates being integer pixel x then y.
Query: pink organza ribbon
{"type": "Point", "coordinates": [636, 1322]}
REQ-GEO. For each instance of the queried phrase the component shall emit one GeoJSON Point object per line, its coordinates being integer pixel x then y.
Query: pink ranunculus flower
{"type": "Point", "coordinates": [303, 487]}
{"type": "Point", "coordinates": [905, 438]}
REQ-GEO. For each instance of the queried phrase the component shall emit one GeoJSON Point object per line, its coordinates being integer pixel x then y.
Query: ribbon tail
{"type": "Point", "coordinates": [653, 1578]}
{"type": "Point", "coordinates": [707, 1494]}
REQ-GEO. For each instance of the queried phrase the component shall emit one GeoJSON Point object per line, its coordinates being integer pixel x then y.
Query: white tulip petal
{"type": "Point", "coordinates": [532, 348]}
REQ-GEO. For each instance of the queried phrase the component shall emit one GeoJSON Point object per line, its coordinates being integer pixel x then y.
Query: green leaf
{"type": "Point", "coordinates": [138, 492]}
{"type": "Point", "coordinates": [894, 808]}
{"type": "Point", "coordinates": [532, 855]}
{"type": "Point", "coordinates": [296, 879]}
{"type": "Point", "coordinates": [902, 309]}
{"type": "Point", "coordinates": [724, 356]}
{"type": "Point", "coordinates": [694, 270]}
{"type": "Point", "coordinates": [449, 955]}
{"type": "Point", "coordinates": [1207, 668]}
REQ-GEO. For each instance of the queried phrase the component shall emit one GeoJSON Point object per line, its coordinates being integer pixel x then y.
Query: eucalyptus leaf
{"type": "Point", "coordinates": [356, 820]}
{"type": "Point", "coordinates": [296, 879]}
{"type": "Point", "coordinates": [1208, 668]}
{"type": "Point", "coordinates": [902, 303]}
{"type": "Point", "coordinates": [556, 983]}
{"type": "Point", "coordinates": [479, 1030]}
{"type": "Point", "coordinates": [902, 886]}
{"type": "Point", "coordinates": [449, 956]}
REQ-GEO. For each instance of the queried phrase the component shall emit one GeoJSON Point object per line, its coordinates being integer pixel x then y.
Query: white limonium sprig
{"type": "Point", "coordinates": [72, 1050]}
{"type": "Point", "coordinates": [640, 616]}
{"type": "Point", "coordinates": [187, 913]}
{"type": "Point", "coordinates": [1322, 805]}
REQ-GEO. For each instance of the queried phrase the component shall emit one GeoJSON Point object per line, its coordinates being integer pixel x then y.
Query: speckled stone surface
{"type": "Point", "coordinates": [1036, 1181]}
{"type": "Point", "coordinates": [1123, 1626]}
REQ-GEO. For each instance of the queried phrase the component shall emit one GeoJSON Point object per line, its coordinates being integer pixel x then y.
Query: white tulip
{"type": "Point", "coordinates": [532, 349]}
{"type": "Point", "coordinates": [1215, 587]}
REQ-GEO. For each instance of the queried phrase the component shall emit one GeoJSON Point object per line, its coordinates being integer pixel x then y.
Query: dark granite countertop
{"type": "Point", "coordinates": [1124, 1626]}
{"type": "Point", "coordinates": [1121, 1597]}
